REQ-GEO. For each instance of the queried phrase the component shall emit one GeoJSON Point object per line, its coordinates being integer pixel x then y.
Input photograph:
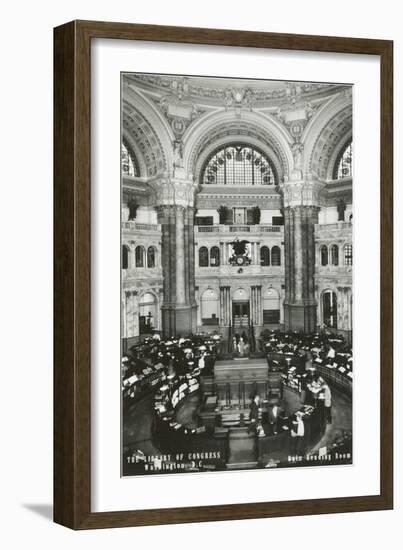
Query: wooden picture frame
{"type": "Point", "coordinates": [72, 272]}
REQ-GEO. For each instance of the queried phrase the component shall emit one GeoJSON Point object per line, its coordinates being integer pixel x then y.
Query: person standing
{"type": "Point", "coordinates": [297, 435]}
{"type": "Point", "coordinates": [275, 413]}
{"type": "Point", "coordinates": [327, 403]}
{"type": "Point", "coordinates": [254, 413]}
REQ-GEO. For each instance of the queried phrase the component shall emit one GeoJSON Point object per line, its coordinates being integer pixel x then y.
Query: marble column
{"type": "Point", "coordinates": [198, 308]}
{"type": "Point", "coordinates": [180, 255]}
{"type": "Point", "coordinates": [222, 311]}
{"type": "Point", "coordinates": [259, 305]}
{"type": "Point", "coordinates": [301, 207]}
{"type": "Point", "coordinates": [227, 306]}
{"type": "Point", "coordinates": [191, 267]}
{"type": "Point", "coordinates": [179, 309]}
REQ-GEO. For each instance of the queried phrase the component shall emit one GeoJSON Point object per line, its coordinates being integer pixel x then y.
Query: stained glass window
{"type": "Point", "coordinates": [348, 254]}
{"type": "Point", "coordinates": [129, 163]}
{"type": "Point", "coordinates": [238, 164]}
{"type": "Point", "coordinates": [344, 165]}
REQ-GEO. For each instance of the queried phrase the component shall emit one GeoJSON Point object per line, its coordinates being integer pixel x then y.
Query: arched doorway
{"type": "Point", "coordinates": [329, 309]}
{"type": "Point", "coordinates": [210, 307]}
{"type": "Point", "coordinates": [148, 313]}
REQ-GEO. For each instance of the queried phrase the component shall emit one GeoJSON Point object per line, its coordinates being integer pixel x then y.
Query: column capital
{"type": "Point", "coordinates": [302, 193]}
{"type": "Point", "coordinates": [163, 212]}
{"type": "Point", "coordinates": [173, 191]}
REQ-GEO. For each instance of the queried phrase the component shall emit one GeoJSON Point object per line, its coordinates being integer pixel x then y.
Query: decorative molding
{"type": "Point", "coordinates": [268, 202]}
{"type": "Point", "coordinates": [172, 192]}
{"type": "Point", "coordinates": [139, 129]}
{"type": "Point", "coordinates": [302, 193]}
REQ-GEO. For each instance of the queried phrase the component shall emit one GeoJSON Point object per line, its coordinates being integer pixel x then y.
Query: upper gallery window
{"type": "Point", "coordinates": [129, 163]}
{"type": "Point", "coordinates": [215, 256]}
{"type": "Point", "coordinates": [139, 253]}
{"type": "Point", "coordinates": [348, 254]}
{"type": "Point", "coordinates": [238, 164]}
{"type": "Point", "coordinates": [125, 256]}
{"type": "Point", "coordinates": [344, 164]}
{"type": "Point", "coordinates": [264, 256]}
{"type": "Point", "coordinates": [275, 256]}
{"type": "Point", "coordinates": [324, 255]}
{"type": "Point", "coordinates": [203, 256]}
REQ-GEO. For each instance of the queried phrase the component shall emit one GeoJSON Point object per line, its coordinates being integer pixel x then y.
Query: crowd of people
{"type": "Point", "coordinates": [155, 360]}
{"type": "Point", "coordinates": [330, 350]}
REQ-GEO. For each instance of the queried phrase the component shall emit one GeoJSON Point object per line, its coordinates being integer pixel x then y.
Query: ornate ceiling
{"type": "Point", "coordinates": [299, 125]}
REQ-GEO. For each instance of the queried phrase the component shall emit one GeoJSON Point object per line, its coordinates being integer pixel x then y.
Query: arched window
{"type": "Point", "coordinates": [139, 253]}
{"type": "Point", "coordinates": [324, 255]}
{"type": "Point", "coordinates": [151, 256]}
{"type": "Point", "coordinates": [344, 164]}
{"type": "Point", "coordinates": [264, 256]}
{"type": "Point", "coordinates": [348, 254]}
{"type": "Point", "coordinates": [125, 256]}
{"type": "Point", "coordinates": [238, 164]}
{"type": "Point", "coordinates": [215, 256]}
{"type": "Point", "coordinates": [334, 253]}
{"type": "Point", "coordinates": [275, 256]}
{"type": "Point", "coordinates": [129, 162]}
{"type": "Point", "coordinates": [203, 256]}
{"type": "Point", "coordinates": [210, 307]}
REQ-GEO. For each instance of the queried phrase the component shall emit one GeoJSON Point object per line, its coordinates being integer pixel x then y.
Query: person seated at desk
{"type": "Point", "coordinates": [314, 384]}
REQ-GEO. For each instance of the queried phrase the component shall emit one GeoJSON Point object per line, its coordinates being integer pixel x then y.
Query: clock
{"type": "Point", "coordinates": [240, 260]}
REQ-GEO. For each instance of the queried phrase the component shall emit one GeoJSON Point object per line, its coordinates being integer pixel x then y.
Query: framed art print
{"type": "Point", "coordinates": [223, 275]}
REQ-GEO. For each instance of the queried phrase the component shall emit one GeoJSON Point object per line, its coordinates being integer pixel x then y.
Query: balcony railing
{"type": "Point", "coordinates": [135, 226]}
{"type": "Point", "coordinates": [331, 226]}
{"type": "Point", "coordinates": [260, 228]}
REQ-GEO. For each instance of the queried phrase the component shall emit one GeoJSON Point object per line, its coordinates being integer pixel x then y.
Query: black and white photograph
{"type": "Point", "coordinates": [236, 274]}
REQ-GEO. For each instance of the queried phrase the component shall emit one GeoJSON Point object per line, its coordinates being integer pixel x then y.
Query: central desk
{"type": "Point", "coordinates": [236, 381]}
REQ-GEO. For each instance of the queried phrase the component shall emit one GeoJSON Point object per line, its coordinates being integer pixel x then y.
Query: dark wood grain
{"type": "Point", "coordinates": [72, 268]}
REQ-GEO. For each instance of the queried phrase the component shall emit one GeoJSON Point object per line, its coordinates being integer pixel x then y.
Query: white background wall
{"type": "Point", "coordinates": [26, 277]}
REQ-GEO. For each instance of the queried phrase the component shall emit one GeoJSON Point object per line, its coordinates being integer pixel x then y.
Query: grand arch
{"type": "Point", "coordinates": [324, 133]}
{"type": "Point", "coordinates": [225, 125]}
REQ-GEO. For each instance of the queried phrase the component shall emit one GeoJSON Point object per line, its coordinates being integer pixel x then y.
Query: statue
{"type": "Point", "coordinates": [178, 154]}
{"type": "Point", "coordinates": [132, 209]}
{"type": "Point", "coordinates": [256, 215]}
{"type": "Point", "coordinates": [222, 213]}
{"type": "Point", "coordinates": [239, 247]}
{"type": "Point", "coordinates": [341, 210]}
{"type": "Point", "coordinates": [297, 149]}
